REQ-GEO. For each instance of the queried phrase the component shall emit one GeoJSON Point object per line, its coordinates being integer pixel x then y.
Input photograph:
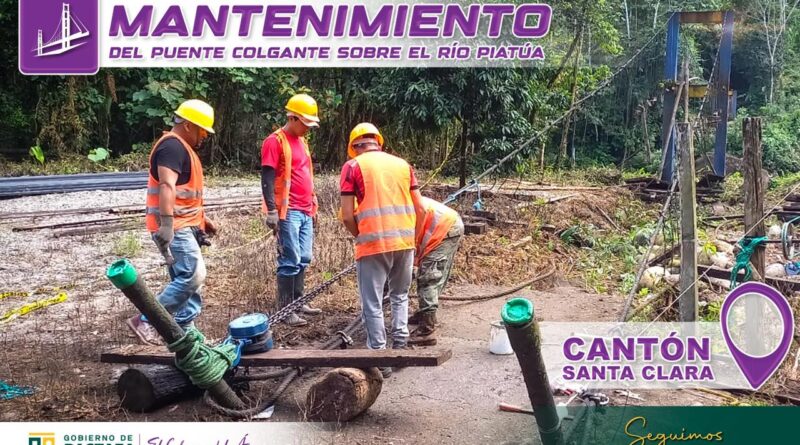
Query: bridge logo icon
{"type": "Point", "coordinates": [58, 36]}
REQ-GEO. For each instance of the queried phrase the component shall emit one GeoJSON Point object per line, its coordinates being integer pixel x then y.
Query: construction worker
{"type": "Point", "coordinates": [385, 223]}
{"type": "Point", "coordinates": [437, 244]}
{"type": "Point", "coordinates": [290, 205]}
{"type": "Point", "coordinates": [175, 216]}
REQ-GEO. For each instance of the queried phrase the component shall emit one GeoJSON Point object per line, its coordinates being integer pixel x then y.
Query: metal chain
{"type": "Point", "coordinates": [287, 310]}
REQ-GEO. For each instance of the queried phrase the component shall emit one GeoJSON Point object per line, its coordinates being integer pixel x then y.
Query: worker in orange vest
{"type": "Point", "coordinates": [175, 216]}
{"type": "Point", "coordinates": [290, 204]}
{"type": "Point", "coordinates": [384, 226]}
{"type": "Point", "coordinates": [437, 244]}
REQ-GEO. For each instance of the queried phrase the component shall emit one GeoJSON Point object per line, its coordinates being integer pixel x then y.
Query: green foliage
{"type": "Point", "coordinates": [37, 153]}
{"type": "Point", "coordinates": [710, 311]}
{"type": "Point", "coordinates": [99, 154]}
{"type": "Point", "coordinates": [733, 188]}
{"type": "Point", "coordinates": [127, 245]}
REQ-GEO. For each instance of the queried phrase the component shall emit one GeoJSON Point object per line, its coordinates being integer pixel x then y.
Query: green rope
{"type": "Point", "coordinates": [204, 365]}
{"type": "Point", "coordinates": [748, 246]}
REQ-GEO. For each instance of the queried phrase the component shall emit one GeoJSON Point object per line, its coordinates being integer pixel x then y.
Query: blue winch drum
{"type": "Point", "coordinates": [249, 326]}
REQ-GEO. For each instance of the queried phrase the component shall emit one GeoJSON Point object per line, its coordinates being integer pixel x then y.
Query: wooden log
{"type": "Point", "coordinates": [474, 228]}
{"type": "Point", "coordinates": [482, 214]}
{"type": "Point", "coordinates": [146, 388]}
{"type": "Point", "coordinates": [343, 394]}
{"type": "Point", "coordinates": [310, 358]}
{"type": "Point", "coordinates": [781, 284]}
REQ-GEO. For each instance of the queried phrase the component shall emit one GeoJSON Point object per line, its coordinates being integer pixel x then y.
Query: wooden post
{"type": "Point", "coordinates": [753, 188]}
{"type": "Point", "coordinates": [687, 304]}
{"type": "Point", "coordinates": [123, 275]}
{"type": "Point", "coordinates": [754, 224]}
{"type": "Point", "coordinates": [526, 341]}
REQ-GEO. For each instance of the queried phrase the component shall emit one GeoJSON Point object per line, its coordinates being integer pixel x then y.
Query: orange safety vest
{"type": "Point", "coordinates": [284, 182]}
{"type": "Point", "coordinates": [386, 217]}
{"type": "Point", "coordinates": [439, 219]}
{"type": "Point", "coordinates": [188, 210]}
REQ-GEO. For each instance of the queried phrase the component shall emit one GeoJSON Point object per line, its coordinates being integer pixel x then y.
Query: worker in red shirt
{"type": "Point", "coordinates": [290, 205]}
{"type": "Point", "coordinates": [384, 226]}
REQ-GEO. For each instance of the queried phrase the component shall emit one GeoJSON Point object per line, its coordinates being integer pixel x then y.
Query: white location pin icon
{"type": "Point", "coordinates": [757, 366]}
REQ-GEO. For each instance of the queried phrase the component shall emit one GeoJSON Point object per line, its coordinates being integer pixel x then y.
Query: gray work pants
{"type": "Point", "coordinates": [373, 272]}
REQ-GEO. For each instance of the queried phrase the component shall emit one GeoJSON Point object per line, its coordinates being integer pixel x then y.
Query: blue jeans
{"type": "Point", "coordinates": [181, 298]}
{"type": "Point", "coordinates": [295, 241]}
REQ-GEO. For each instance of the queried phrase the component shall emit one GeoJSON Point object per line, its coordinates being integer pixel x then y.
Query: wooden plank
{"type": "Point", "coordinates": [311, 358]}
{"type": "Point", "coordinates": [706, 17]}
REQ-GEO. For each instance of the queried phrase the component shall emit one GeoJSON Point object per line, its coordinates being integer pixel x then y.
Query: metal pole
{"type": "Point", "coordinates": [123, 275]}
{"type": "Point", "coordinates": [523, 333]}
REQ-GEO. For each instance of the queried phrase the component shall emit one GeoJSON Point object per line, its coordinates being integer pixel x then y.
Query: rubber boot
{"type": "Point", "coordinates": [285, 297]}
{"type": "Point", "coordinates": [425, 334]}
{"type": "Point", "coordinates": [299, 289]}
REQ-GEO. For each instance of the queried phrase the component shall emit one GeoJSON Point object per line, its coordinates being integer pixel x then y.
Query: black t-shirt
{"type": "Point", "coordinates": [171, 153]}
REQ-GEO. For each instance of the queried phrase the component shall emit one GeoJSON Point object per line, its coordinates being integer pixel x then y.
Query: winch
{"type": "Point", "coordinates": [251, 334]}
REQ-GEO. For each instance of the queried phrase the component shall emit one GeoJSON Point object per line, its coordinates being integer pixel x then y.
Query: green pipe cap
{"type": "Point", "coordinates": [121, 273]}
{"type": "Point", "coordinates": [517, 312]}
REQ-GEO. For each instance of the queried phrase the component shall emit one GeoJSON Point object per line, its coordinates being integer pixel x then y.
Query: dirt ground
{"type": "Point", "coordinates": [55, 349]}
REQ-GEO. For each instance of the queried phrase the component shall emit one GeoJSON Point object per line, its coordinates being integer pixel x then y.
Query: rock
{"type": "Point", "coordinates": [774, 231]}
{"type": "Point", "coordinates": [718, 209]}
{"type": "Point", "coordinates": [775, 270]}
{"type": "Point", "coordinates": [704, 256]}
{"type": "Point", "coordinates": [724, 247]}
{"type": "Point", "coordinates": [652, 276]}
{"type": "Point", "coordinates": [672, 279]}
{"type": "Point", "coordinates": [721, 259]}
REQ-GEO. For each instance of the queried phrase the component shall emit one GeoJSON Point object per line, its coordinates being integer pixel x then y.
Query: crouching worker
{"type": "Point", "coordinates": [384, 227]}
{"type": "Point", "coordinates": [175, 216]}
{"type": "Point", "coordinates": [437, 244]}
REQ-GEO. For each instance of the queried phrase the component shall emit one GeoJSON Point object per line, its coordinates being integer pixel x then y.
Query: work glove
{"type": "Point", "coordinates": [163, 238]}
{"type": "Point", "coordinates": [272, 220]}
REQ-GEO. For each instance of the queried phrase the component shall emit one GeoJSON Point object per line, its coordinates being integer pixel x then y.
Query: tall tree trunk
{"type": "Point", "coordinates": [647, 154]}
{"type": "Point", "coordinates": [562, 151]}
{"type": "Point", "coordinates": [462, 170]}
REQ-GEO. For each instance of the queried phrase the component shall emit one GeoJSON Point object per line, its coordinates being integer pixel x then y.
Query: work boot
{"type": "Point", "coordinates": [425, 334]}
{"type": "Point", "coordinates": [299, 289]}
{"type": "Point", "coordinates": [294, 320]}
{"type": "Point", "coordinates": [414, 319]}
{"type": "Point", "coordinates": [144, 331]}
{"type": "Point", "coordinates": [286, 286]}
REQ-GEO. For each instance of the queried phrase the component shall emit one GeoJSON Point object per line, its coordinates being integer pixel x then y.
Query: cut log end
{"type": "Point", "coordinates": [147, 388]}
{"type": "Point", "coordinates": [343, 394]}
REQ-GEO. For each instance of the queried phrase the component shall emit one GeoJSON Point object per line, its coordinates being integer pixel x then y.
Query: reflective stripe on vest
{"type": "Point", "coordinates": [179, 193]}
{"type": "Point", "coordinates": [188, 206]}
{"type": "Point", "coordinates": [385, 217]}
{"type": "Point", "coordinates": [362, 239]}
{"type": "Point", "coordinates": [439, 219]}
{"type": "Point", "coordinates": [385, 211]}
{"type": "Point", "coordinates": [284, 183]}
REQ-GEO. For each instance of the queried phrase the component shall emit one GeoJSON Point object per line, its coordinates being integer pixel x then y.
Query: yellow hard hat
{"type": "Point", "coordinates": [198, 113]}
{"type": "Point", "coordinates": [359, 130]}
{"type": "Point", "coordinates": [305, 107]}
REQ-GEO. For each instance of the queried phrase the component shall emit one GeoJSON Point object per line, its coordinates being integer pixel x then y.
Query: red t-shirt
{"type": "Point", "coordinates": [351, 182]}
{"type": "Point", "coordinates": [301, 192]}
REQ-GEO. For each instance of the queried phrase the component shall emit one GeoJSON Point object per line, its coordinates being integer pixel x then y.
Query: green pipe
{"type": "Point", "coordinates": [523, 334]}
{"type": "Point", "coordinates": [124, 277]}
